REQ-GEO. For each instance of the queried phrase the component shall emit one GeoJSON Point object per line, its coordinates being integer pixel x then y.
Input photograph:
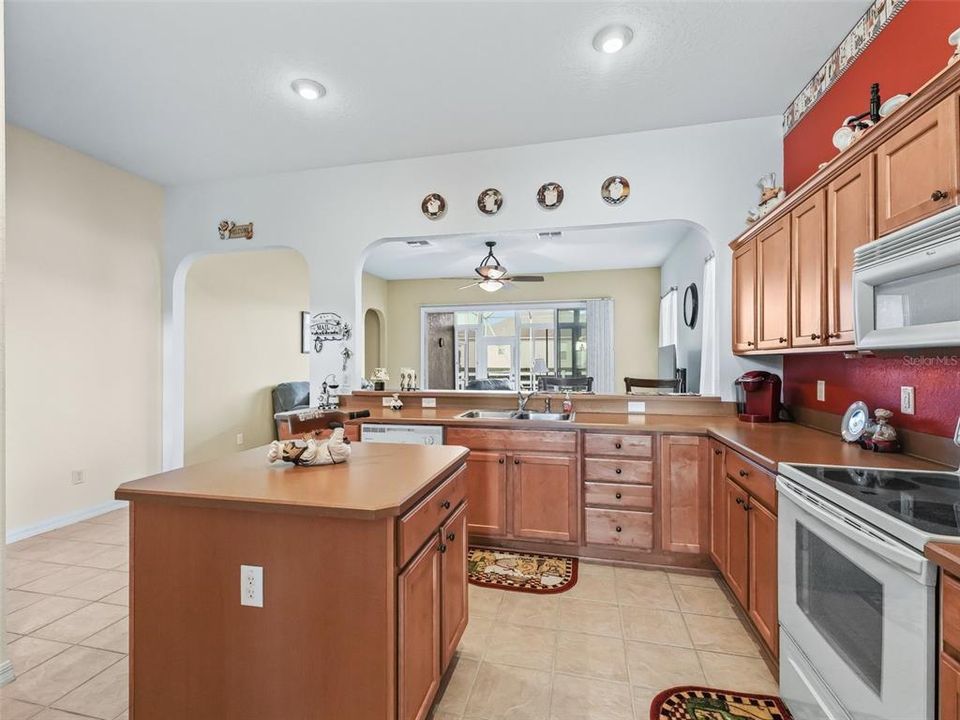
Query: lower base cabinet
{"type": "Point", "coordinates": [949, 688]}
{"type": "Point", "coordinates": [545, 493]}
{"type": "Point", "coordinates": [763, 575]}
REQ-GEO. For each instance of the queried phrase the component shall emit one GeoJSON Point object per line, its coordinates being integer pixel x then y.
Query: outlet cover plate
{"type": "Point", "coordinates": [251, 586]}
{"type": "Point", "coordinates": [636, 406]}
{"type": "Point", "coordinates": [908, 404]}
{"type": "Point", "coordinates": [428, 402]}
{"type": "Point", "coordinates": [821, 390]}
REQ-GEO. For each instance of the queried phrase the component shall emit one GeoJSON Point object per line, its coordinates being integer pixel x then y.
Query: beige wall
{"type": "Point", "coordinates": [83, 324]}
{"type": "Point", "coordinates": [374, 297]}
{"type": "Point", "coordinates": [242, 339]}
{"type": "Point", "coordinates": [6, 670]}
{"type": "Point", "coordinates": [636, 295]}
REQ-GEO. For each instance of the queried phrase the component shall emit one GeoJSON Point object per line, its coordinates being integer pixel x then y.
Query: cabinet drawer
{"type": "Point", "coordinates": [425, 519]}
{"type": "Point", "coordinates": [636, 497]}
{"type": "Point", "coordinates": [950, 612]}
{"type": "Point", "coordinates": [559, 441]}
{"type": "Point", "coordinates": [759, 483]}
{"type": "Point", "coordinates": [620, 471]}
{"type": "Point", "coordinates": [619, 445]}
{"type": "Point", "coordinates": [625, 528]}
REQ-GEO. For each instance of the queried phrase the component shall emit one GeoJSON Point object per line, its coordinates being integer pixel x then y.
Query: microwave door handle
{"type": "Point", "coordinates": [887, 549]}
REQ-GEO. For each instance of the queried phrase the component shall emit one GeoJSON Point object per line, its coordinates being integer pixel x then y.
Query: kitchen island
{"type": "Point", "coordinates": [363, 596]}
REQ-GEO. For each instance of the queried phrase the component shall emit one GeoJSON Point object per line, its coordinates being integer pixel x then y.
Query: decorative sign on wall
{"type": "Point", "coordinates": [229, 230]}
{"type": "Point", "coordinates": [328, 327]}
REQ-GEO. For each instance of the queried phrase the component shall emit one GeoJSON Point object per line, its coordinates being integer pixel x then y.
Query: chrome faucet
{"type": "Point", "coordinates": [523, 398]}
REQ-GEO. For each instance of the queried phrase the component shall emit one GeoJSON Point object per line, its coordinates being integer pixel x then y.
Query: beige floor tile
{"type": "Point", "coordinates": [14, 600]}
{"type": "Point", "coordinates": [125, 715]}
{"type": "Point", "coordinates": [703, 601]}
{"type": "Point", "coordinates": [99, 586]}
{"type": "Point", "coordinates": [599, 587]}
{"type": "Point", "coordinates": [109, 534]}
{"type": "Point", "coordinates": [509, 693]}
{"type": "Point", "coordinates": [83, 623]}
{"type": "Point", "coordinates": [437, 715]}
{"type": "Point", "coordinates": [591, 655]}
{"type": "Point", "coordinates": [20, 572]}
{"type": "Point", "coordinates": [63, 552]}
{"type": "Point", "coordinates": [521, 646]}
{"type": "Point", "coordinates": [120, 597]}
{"type": "Point", "coordinates": [662, 666]}
{"type": "Point", "coordinates": [11, 709]}
{"type": "Point", "coordinates": [678, 578]}
{"type": "Point", "coordinates": [66, 577]}
{"type": "Point", "coordinates": [576, 698]}
{"type": "Point", "coordinates": [473, 644]}
{"type": "Point", "coordinates": [642, 700]}
{"type": "Point", "coordinates": [60, 674]}
{"type": "Point", "coordinates": [114, 517]}
{"type": "Point", "coordinates": [588, 568]}
{"type": "Point", "coordinates": [739, 674]}
{"type": "Point", "coordinates": [454, 694]}
{"type": "Point", "coordinates": [630, 574]}
{"type": "Point", "coordinates": [52, 714]}
{"type": "Point", "coordinates": [591, 617]}
{"type": "Point", "coordinates": [104, 696]}
{"type": "Point", "coordinates": [111, 559]}
{"type": "Point", "coordinates": [530, 609]}
{"type": "Point", "coordinates": [485, 601]}
{"type": "Point", "coordinates": [716, 634]}
{"type": "Point", "coordinates": [42, 613]}
{"type": "Point", "coordinates": [643, 591]}
{"type": "Point", "coordinates": [114, 637]}
{"type": "Point", "coordinates": [664, 627]}
{"type": "Point", "coordinates": [28, 652]}
{"type": "Point", "coordinates": [11, 637]}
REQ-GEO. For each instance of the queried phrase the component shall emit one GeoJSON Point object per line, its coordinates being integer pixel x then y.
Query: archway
{"type": "Point", "coordinates": [374, 332]}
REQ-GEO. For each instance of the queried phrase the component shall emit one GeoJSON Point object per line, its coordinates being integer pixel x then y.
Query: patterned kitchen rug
{"type": "Point", "coordinates": [521, 572]}
{"type": "Point", "coordinates": [698, 703]}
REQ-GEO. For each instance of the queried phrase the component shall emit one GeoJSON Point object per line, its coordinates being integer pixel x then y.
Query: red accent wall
{"type": "Point", "coordinates": [877, 381]}
{"type": "Point", "coordinates": [908, 52]}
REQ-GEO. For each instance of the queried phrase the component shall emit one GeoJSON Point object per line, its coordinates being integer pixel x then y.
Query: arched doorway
{"type": "Point", "coordinates": [372, 347]}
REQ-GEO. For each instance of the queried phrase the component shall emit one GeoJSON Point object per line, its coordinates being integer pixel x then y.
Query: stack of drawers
{"type": "Point", "coordinates": [618, 474]}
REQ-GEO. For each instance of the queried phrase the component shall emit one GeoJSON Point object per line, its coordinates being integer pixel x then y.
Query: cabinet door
{"type": "Point", "coordinates": [418, 612]}
{"type": "Point", "coordinates": [718, 512]}
{"type": "Point", "coordinates": [737, 570]}
{"type": "Point", "coordinates": [745, 297]}
{"type": "Point", "coordinates": [545, 494]}
{"type": "Point", "coordinates": [808, 245]}
{"type": "Point", "coordinates": [949, 688]}
{"type": "Point", "coordinates": [487, 493]}
{"type": "Point", "coordinates": [773, 286]}
{"type": "Point", "coordinates": [684, 493]}
{"type": "Point", "coordinates": [763, 574]}
{"type": "Point", "coordinates": [850, 223]}
{"type": "Point", "coordinates": [917, 169]}
{"type": "Point", "coordinates": [453, 585]}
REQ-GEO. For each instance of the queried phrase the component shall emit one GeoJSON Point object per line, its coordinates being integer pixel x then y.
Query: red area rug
{"type": "Point", "coordinates": [698, 703]}
{"type": "Point", "coordinates": [521, 572]}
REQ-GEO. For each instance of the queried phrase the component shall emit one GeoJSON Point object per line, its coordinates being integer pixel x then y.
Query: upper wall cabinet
{"type": "Point", "coordinates": [808, 244]}
{"type": "Point", "coordinates": [917, 168]}
{"type": "Point", "coordinates": [745, 297]}
{"type": "Point", "coordinates": [773, 277]}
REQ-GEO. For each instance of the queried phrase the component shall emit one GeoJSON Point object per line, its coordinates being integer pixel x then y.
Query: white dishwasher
{"type": "Point", "coordinates": [404, 434]}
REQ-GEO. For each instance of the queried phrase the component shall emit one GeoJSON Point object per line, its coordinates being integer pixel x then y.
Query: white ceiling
{"type": "Point", "coordinates": [611, 247]}
{"type": "Point", "coordinates": [185, 91]}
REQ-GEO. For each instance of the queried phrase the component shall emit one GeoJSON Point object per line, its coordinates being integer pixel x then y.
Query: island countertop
{"type": "Point", "coordinates": [378, 481]}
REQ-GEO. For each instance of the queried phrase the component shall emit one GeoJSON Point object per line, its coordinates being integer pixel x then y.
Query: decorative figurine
{"type": "Point", "coordinates": [954, 40]}
{"type": "Point", "coordinates": [771, 195]}
{"type": "Point", "coordinates": [396, 403]}
{"type": "Point", "coordinates": [379, 377]}
{"type": "Point", "coordinates": [332, 451]}
{"type": "Point", "coordinates": [884, 438]}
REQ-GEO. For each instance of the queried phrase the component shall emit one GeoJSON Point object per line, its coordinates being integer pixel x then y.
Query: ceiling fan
{"type": "Point", "coordinates": [493, 275]}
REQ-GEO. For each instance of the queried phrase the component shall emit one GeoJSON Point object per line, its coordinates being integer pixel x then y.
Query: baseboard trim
{"type": "Point", "coordinates": [6, 673]}
{"type": "Point", "coordinates": [63, 520]}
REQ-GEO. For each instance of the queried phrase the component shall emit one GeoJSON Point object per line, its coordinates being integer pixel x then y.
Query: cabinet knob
{"type": "Point", "coordinates": [516, 461]}
{"type": "Point", "coordinates": [445, 504]}
{"type": "Point", "coordinates": [618, 471]}
{"type": "Point", "coordinates": [938, 195]}
{"type": "Point", "coordinates": [743, 473]}
{"type": "Point", "coordinates": [750, 343]}
{"type": "Point", "coordinates": [814, 336]}
{"type": "Point", "coordinates": [619, 496]}
{"type": "Point", "coordinates": [782, 340]}
{"type": "Point", "coordinates": [442, 548]}
{"type": "Point", "coordinates": [619, 529]}
{"type": "Point", "coordinates": [501, 461]}
{"type": "Point", "coordinates": [739, 501]}
{"type": "Point", "coordinates": [618, 446]}
{"type": "Point", "coordinates": [451, 537]}
{"type": "Point", "coordinates": [717, 451]}
{"type": "Point", "coordinates": [834, 335]}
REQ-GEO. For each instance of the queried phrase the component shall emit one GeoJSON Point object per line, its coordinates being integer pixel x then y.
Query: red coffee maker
{"type": "Point", "coordinates": [758, 397]}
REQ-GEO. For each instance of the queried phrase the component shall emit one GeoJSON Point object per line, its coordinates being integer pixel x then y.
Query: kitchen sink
{"type": "Point", "coordinates": [555, 417]}
{"type": "Point", "coordinates": [514, 415]}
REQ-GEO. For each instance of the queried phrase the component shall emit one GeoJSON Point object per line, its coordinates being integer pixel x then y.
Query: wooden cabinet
{"type": "Point", "coordinates": [851, 222]}
{"type": "Point", "coordinates": [737, 571]}
{"type": "Point", "coordinates": [684, 493]}
{"type": "Point", "coordinates": [544, 497]}
{"type": "Point", "coordinates": [487, 489]}
{"type": "Point", "coordinates": [453, 582]}
{"type": "Point", "coordinates": [763, 573]}
{"type": "Point", "coordinates": [718, 517]}
{"type": "Point", "coordinates": [419, 611]}
{"type": "Point", "coordinates": [745, 297]}
{"type": "Point", "coordinates": [808, 252]}
{"type": "Point", "coordinates": [949, 688]}
{"type": "Point", "coordinates": [917, 168]}
{"type": "Point", "coordinates": [773, 278]}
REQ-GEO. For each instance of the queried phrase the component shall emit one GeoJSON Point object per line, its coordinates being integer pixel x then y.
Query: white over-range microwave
{"type": "Point", "coordinates": [906, 287]}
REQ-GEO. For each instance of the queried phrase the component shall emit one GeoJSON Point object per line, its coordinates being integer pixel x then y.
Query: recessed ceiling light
{"type": "Point", "coordinates": [308, 89]}
{"type": "Point", "coordinates": [418, 243]}
{"type": "Point", "coordinates": [612, 39]}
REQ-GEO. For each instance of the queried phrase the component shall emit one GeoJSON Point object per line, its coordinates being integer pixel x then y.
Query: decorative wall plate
{"type": "Point", "coordinates": [490, 201]}
{"type": "Point", "coordinates": [855, 422]}
{"type": "Point", "coordinates": [550, 195]}
{"type": "Point", "coordinates": [615, 190]}
{"type": "Point", "coordinates": [434, 206]}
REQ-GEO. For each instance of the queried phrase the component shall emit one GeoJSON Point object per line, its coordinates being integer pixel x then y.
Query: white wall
{"type": "Point", "coordinates": [83, 326]}
{"type": "Point", "coordinates": [6, 669]}
{"type": "Point", "coordinates": [705, 174]}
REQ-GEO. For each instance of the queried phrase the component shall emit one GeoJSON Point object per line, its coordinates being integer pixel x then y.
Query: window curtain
{"type": "Point", "coordinates": [710, 350]}
{"type": "Point", "coordinates": [668, 318]}
{"type": "Point", "coordinates": [600, 344]}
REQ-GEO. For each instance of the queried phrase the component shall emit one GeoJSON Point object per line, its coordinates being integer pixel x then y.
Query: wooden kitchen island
{"type": "Point", "coordinates": [364, 586]}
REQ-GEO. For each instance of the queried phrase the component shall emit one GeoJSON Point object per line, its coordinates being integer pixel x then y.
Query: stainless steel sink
{"type": "Point", "coordinates": [514, 415]}
{"type": "Point", "coordinates": [554, 417]}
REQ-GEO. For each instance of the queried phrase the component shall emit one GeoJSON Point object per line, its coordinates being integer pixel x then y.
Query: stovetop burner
{"type": "Point", "coordinates": [929, 501]}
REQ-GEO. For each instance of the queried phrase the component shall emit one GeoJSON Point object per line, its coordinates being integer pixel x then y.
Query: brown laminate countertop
{"type": "Point", "coordinates": [946, 555]}
{"type": "Point", "coordinates": [378, 481]}
{"type": "Point", "coordinates": [767, 444]}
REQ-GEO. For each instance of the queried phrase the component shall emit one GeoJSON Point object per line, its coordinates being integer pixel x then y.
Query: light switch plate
{"type": "Point", "coordinates": [908, 404]}
{"type": "Point", "coordinates": [636, 406]}
{"type": "Point", "coordinates": [821, 390]}
{"type": "Point", "coordinates": [251, 585]}
{"type": "Point", "coordinates": [428, 402]}
{"type": "Point", "coordinates": [385, 401]}
{"type": "Point", "coordinates": [239, 438]}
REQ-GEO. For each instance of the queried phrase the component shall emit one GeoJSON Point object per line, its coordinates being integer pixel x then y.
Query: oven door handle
{"type": "Point", "coordinates": [853, 529]}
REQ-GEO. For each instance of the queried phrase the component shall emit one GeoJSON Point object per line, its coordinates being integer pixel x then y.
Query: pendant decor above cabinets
{"type": "Point", "coordinates": [490, 201]}
{"type": "Point", "coordinates": [615, 190]}
{"type": "Point", "coordinates": [229, 230]}
{"type": "Point", "coordinates": [433, 206]}
{"type": "Point", "coordinates": [550, 195]}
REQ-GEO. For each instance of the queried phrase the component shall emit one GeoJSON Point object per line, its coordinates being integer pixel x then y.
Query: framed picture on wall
{"type": "Point", "coordinates": [305, 337]}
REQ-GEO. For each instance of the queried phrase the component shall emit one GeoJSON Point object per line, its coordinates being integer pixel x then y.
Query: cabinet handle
{"type": "Point", "coordinates": [834, 335]}
{"type": "Point", "coordinates": [939, 195]}
{"type": "Point", "coordinates": [445, 504]}
{"type": "Point", "coordinates": [619, 471]}
{"type": "Point", "coordinates": [451, 537]}
{"type": "Point", "coordinates": [618, 446]}
{"type": "Point", "coordinates": [814, 336]}
{"type": "Point", "coordinates": [619, 496]}
{"type": "Point", "coordinates": [501, 461]}
{"type": "Point", "coordinates": [747, 506]}
{"type": "Point", "coordinates": [442, 548]}
{"type": "Point", "coordinates": [782, 340]}
{"type": "Point", "coordinates": [743, 473]}
{"type": "Point", "coordinates": [619, 529]}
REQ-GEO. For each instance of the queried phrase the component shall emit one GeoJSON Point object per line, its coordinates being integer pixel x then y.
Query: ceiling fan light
{"type": "Point", "coordinates": [490, 285]}
{"type": "Point", "coordinates": [491, 272]}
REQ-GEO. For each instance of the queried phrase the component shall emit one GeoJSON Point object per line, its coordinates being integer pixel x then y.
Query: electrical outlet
{"type": "Point", "coordinates": [636, 406]}
{"type": "Point", "coordinates": [956, 434]}
{"type": "Point", "coordinates": [251, 585]}
{"type": "Point", "coordinates": [428, 402]}
{"type": "Point", "coordinates": [907, 401]}
{"type": "Point", "coordinates": [821, 390]}
{"type": "Point", "coordinates": [239, 438]}
{"type": "Point", "coordinates": [386, 401]}
{"type": "Point", "coordinates": [77, 478]}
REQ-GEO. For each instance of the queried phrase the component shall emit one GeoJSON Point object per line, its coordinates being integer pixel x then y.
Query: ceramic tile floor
{"type": "Point", "coordinates": [599, 651]}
